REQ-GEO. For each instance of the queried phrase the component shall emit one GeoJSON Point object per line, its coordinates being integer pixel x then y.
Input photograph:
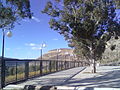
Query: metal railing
{"type": "Point", "coordinates": [19, 70]}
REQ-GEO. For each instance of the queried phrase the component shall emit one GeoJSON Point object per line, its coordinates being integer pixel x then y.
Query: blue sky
{"type": "Point", "coordinates": [27, 37]}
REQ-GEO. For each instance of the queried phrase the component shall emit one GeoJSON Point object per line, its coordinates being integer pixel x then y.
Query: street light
{"type": "Point", "coordinates": [43, 45]}
{"type": "Point", "coordinates": [9, 34]}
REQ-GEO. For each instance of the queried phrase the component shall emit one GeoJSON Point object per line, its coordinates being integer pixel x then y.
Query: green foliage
{"type": "Point", "coordinates": [12, 11]}
{"type": "Point", "coordinates": [87, 25]}
{"type": "Point", "coordinates": [12, 71]}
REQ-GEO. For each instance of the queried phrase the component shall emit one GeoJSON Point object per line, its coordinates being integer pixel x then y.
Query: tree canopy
{"type": "Point", "coordinates": [12, 11]}
{"type": "Point", "coordinates": [86, 24]}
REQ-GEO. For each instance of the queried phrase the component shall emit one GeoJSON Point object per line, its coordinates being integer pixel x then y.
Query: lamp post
{"type": "Point", "coordinates": [9, 34]}
{"type": "Point", "coordinates": [43, 45]}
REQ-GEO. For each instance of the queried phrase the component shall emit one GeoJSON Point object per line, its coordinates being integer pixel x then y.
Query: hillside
{"type": "Point", "coordinates": [109, 56]}
{"type": "Point", "coordinates": [61, 54]}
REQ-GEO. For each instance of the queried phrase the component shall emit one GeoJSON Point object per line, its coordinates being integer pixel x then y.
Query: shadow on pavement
{"type": "Point", "coordinates": [109, 79]}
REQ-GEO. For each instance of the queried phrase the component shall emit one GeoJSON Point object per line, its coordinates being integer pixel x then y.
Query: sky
{"type": "Point", "coordinates": [27, 38]}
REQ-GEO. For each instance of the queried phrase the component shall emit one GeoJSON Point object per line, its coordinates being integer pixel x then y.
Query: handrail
{"type": "Point", "coordinates": [17, 70]}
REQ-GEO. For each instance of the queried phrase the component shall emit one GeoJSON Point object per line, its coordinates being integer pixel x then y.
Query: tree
{"type": "Point", "coordinates": [12, 11]}
{"type": "Point", "coordinates": [87, 25]}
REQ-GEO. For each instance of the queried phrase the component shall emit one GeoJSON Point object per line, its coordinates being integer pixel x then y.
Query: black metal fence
{"type": "Point", "coordinates": [19, 70]}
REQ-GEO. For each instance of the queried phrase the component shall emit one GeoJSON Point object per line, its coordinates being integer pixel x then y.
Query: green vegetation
{"type": "Point", "coordinates": [12, 11]}
{"type": "Point", "coordinates": [87, 25]}
{"type": "Point", "coordinates": [34, 70]}
{"type": "Point", "coordinates": [112, 57]}
{"type": "Point", "coordinates": [11, 78]}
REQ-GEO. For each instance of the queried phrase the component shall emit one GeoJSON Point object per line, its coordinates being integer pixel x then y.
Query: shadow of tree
{"type": "Point", "coordinates": [108, 79]}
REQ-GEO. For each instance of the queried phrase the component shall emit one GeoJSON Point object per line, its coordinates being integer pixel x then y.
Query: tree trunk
{"type": "Point", "coordinates": [93, 59]}
{"type": "Point", "coordinates": [94, 66]}
{"type": "Point", "coordinates": [93, 62]}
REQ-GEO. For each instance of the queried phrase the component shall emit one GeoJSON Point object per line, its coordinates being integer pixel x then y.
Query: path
{"type": "Point", "coordinates": [76, 79]}
{"type": "Point", "coordinates": [106, 76]}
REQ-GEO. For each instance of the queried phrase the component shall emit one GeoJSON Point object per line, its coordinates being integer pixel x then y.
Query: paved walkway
{"type": "Point", "coordinates": [106, 76]}
{"type": "Point", "coordinates": [58, 78]}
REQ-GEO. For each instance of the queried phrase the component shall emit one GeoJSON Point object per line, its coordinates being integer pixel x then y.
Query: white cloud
{"type": "Point", "coordinates": [33, 18]}
{"type": "Point", "coordinates": [36, 19]}
{"type": "Point", "coordinates": [31, 44]}
{"type": "Point", "coordinates": [25, 20]}
{"type": "Point", "coordinates": [55, 39]}
{"type": "Point", "coordinates": [35, 48]}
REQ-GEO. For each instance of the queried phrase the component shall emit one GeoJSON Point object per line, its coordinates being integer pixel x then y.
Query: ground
{"type": "Point", "coordinates": [106, 77]}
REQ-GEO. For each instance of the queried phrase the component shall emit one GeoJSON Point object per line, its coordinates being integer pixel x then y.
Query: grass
{"type": "Point", "coordinates": [11, 78]}
{"type": "Point", "coordinates": [20, 76]}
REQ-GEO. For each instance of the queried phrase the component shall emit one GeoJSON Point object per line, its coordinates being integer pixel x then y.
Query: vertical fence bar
{"type": "Point", "coordinates": [35, 68]}
{"type": "Point", "coordinates": [3, 72]}
{"type": "Point", "coordinates": [16, 70]}
{"type": "Point", "coordinates": [69, 64]}
{"type": "Point", "coordinates": [50, 66]}
{"type": "Point", "coordinates": [60, 65]}
{"type": "Point", "coordinates": [66, 64]}
{"type": "Point", "coordinates": [26, 70]}
{"type": "Point", "coordinates": [41, 67]}
{"type": "Point", "coordinates": [56, 65]}
{"type": "Point", "coordinates": [3, 62]}
{"type": "Point", "coordinates": [74, 63]}
{"type": "Point", "coordinates": [78, 64]}
{"type": "Point", "coordinates": [46, 66]}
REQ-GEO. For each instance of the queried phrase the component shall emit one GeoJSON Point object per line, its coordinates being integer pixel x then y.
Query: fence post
{"type": "Point", "coordinates": [40, 67]}
{"type": "Point", "coordinates": [16, 70]}
{"type": "Point", "coordinates": [70, 64]}
{"type": "Point", "coordinates": [65, 64]}
{"type": "Point", "coordinates": [56, 65]}
{"type": "Point", "coordinates": [3, 66]}
{"type": "Point", "coordinates": [78, 64]}
{"type": "Point", "coordinates": [35, 69]}
{"type": "Point", "coordinates": [74, 63]}
{"type": "Point", "coordinates": [61, 65]}
{"type": "Point", "coordinates": [50, 66]}
{"type": "Point", "coordinates": [26, 69]}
